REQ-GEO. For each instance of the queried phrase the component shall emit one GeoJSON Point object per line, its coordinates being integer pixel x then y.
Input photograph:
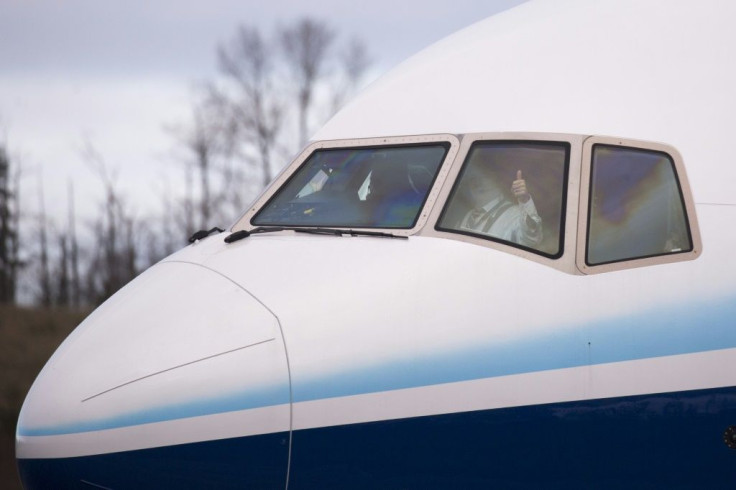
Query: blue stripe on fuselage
{"type": "Point", "coordinates": [657, 333]}
{"type": "Point", "coordinates": [662, 332]}
{"type": "Point", "coordinates": [276, 395]}
{"type": "Point", "coordinates": [666, 440]}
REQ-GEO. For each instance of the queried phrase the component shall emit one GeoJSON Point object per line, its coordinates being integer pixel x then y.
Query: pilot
{"type": "Point", "coordinates": [393, 196]}
{"type": "Point", "coordinates": [515, 220]}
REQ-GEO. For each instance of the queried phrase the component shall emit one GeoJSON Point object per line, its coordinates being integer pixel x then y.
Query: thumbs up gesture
{"type": "Point", "coordinates": [518, 188]}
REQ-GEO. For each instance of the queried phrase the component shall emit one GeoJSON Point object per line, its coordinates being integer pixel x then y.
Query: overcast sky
{"type": "Point", "coordinates": [117, 73]}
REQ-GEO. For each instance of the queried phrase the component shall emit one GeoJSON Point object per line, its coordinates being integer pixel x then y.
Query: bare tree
{"type": "Point", "coordinates": [207, 142]}
{"type": "Point", "coordinates": [354, 61]}
{"type": "Point", "coordinates": [188, 203]}
{"type": "Point", "coordinates": [46, 295]}
{"type": "Point", "coordinates": [201, 145]}
{"type": "Point", "coordinates": [238, 120]}
{"type": "Point", "coordinates": [62, 296]}
{"type": "Point", "coordinates": [16, 262]}
{"type": "Point", "coordinates": [9, 228]}
{"type": "Point", "coordinates": [306, 47]}
{"type": "Point", "coordinates": [6, 284]}
{"type": "Point", "coordinates": [247, 96]}
{"type": "Point", "coordinates": [114, 261]}
{"type": "Point", "coordinates": [75, 286]}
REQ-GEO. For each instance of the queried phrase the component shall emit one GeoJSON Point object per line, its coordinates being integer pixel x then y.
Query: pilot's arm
{"type": "Point", "coordinates": [530, 226]}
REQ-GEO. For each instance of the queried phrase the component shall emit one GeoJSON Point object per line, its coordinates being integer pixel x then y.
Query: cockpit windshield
{"type": "Point", "coordinates": [372, 187]}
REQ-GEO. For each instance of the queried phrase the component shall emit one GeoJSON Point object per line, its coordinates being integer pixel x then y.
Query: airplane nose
{"type": "Point", "coordinates": [181, 355]}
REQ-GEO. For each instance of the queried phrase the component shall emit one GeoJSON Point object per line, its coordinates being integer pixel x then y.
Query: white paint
{"type": "Point", "coordinates": [660, 375]}
{"type": "Point", "coordinates": [141, 352]}
{"type": "Point", "coordinates": [657, 70]}
{"type": "Point", "coordinates": [360, 302]}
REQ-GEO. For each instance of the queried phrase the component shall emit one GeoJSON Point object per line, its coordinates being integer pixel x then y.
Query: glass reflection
{"type": "Point", "coordinates": [512, 192]}
{"type": "Point", "coordinates": [382, 187]}
{"type": "Point", "coordinates": [636, 209]}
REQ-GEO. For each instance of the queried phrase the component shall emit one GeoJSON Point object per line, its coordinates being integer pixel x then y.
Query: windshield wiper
{"type": "Point", "coordinates": [202, 234]}
{"type": "Point", "coordinates": [339, 232]}
{"type": "Point", "coordinates": [240, 234]}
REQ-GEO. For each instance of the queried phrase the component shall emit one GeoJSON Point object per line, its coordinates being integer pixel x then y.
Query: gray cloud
{"type": "Point", "coordinates": [179, 37]}
{"type": "Point", "coordinates": [117, 72]}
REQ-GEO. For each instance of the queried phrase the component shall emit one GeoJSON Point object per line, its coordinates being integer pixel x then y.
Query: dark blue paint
{"type": "Point", "coordinates": [671, 440]}
{"type": "Point", "coordinates": [644, 442]}
{"type": "Point", "coordinates": [247, 462]}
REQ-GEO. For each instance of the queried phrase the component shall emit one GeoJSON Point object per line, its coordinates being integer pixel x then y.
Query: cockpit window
{"type": "Point", "coordinates": [511, 192]}
{"type": "Point", "coordinates": [636, 206]}
{"type": "Point", "coordinates": [375, 187]}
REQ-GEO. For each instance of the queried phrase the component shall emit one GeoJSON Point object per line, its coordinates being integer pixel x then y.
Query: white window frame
{"type": "Point", "coordinates": [582, 226]}
{"type": "Point", "coordinates": [572, 259]}
{"type": "Point", "coordinates": [566, 262]}
{"type": "Point", "coordinates": [244, 222]}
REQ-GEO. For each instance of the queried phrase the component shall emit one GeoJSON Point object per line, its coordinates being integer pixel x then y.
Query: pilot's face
{"type": "Point", "coordinates": [483, 189]}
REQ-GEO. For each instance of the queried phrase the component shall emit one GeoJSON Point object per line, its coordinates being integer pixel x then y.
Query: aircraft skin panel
{"type": "Point", "coordinates": [623, 68]}
{"type": "Point", "coordinates": [518, 340]}
{"type": "Point", "coordinates": [228, 424]}
{"type": "Point", "coordinates": [663, 332]}
{"type": "Point", "coordinates": [654, 441]}
{"type": "Point", "coordinates": [610, 443]}
{"type": "Point", "coordinates": [136, 391]}
{"type": "Point", "coordinates": [663, 374]}
{"type": "Point", "coordinates": [612, 342]}
{"type": "Point", "coordinates": [612, 380]}
{"type": "Point", "coordinates": [598, 319]}
{"type": "Point", "coordinates": [234, 463]}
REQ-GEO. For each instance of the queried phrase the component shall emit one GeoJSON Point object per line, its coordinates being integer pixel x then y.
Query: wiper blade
{"type": "Point", "coordinates": [339, 232]}
{"type": "Point", "coordinates": [201, 234]}
{"type": "Point", "coordinates": [240, 234]}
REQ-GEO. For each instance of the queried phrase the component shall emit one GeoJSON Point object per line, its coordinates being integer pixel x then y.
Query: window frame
{"type": "Point", "coordinates": [583, 225]}
{"type": "Point", "coordinates": [519, 142]}
{"type": "Point", "coordinates": [565, 262]}
{"type": "Point", "coordinates": [453, 143]}
{"type": "Point", "coordinates": [572, 256]}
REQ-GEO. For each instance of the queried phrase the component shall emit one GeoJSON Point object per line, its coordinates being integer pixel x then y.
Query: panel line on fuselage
{"type": "Point", "coordinates": [179, 366]}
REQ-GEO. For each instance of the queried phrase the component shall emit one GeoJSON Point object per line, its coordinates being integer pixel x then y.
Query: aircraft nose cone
{"type": "Point", "coordinates": [179, 343]}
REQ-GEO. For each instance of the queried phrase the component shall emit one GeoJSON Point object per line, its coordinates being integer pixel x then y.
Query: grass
{"type": "Point", "coordinates": [28, 337]}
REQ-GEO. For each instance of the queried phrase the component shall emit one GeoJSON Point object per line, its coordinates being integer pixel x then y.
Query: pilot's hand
{"type": "Point", "coordinates": [518, 188]}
